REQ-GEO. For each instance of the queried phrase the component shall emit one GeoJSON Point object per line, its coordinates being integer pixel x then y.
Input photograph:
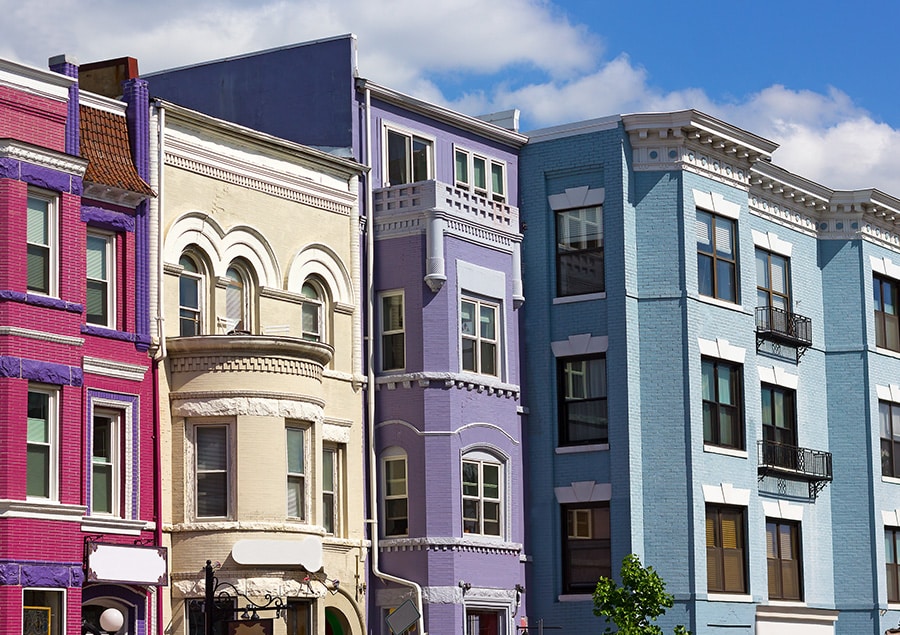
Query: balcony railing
{"type": "Point", "coordinates": [781, 460]}
{"type": "Point", "coordinates": [782, 327]}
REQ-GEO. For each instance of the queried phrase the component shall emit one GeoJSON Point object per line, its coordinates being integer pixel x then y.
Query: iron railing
{"type": "Point", "coordinates": [811, 465]}
{"type": "Point", "coordinates": [783, 327]}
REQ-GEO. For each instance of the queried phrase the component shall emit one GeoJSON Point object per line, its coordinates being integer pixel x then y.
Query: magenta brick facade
{"type": "Point", "coordinates": [78, 478]}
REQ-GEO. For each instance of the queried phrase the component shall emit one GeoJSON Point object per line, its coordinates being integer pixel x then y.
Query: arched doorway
{"type": "Point", "coordinates": [335, 622]}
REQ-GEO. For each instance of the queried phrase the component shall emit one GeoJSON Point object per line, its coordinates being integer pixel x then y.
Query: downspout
{"type": "Point", "coordinates": [370, 362]}
{"type": "Point", "coordinates": [160, 354]}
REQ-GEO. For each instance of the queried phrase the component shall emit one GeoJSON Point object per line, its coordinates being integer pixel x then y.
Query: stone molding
{"type": "Point", "coordinates": [480, 383]}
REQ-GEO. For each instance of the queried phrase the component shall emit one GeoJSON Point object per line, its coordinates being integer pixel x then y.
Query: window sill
{"type": "Point", "coordinates": [715, 449]}
{"type": "Point", "coordinates": [888, 352]}
{"type": "Point", "coordinates": [41, 300]}
{"type": "Point", "coordinates": [730, 597]}
{"type": "Point", "coordinates": [579, 449]}
{"type": "Point", "coordinates": [788, 604]}
{"type": "Point", "coordinates": [584, 297]}
{"type": "Point", "coordinates": [732, 306]}
{"type": "Point", "coordinates": [575, 597]}
{"type": "Point", "coordinates": [890, 479]}
{"type": "Point", "coordinates": [104, 331]}
{"type": "Point", "coordinates": [97, 524]}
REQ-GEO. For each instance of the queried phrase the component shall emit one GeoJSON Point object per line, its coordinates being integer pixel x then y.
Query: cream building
{"type": "Point", "coordinates": [260, 377]}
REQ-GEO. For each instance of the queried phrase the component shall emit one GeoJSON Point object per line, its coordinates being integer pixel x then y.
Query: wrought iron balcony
{"type": "Point", "coordinates": [787, 461]}
{"type": "Point", "coordinates": [783, 328]}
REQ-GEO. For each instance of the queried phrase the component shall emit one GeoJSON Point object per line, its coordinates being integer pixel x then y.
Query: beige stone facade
{"type": "Point", "coordinates": [258, 309]}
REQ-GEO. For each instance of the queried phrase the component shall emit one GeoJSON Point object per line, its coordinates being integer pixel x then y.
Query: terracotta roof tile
{"type": "Point", "coordinates": [104, 143]}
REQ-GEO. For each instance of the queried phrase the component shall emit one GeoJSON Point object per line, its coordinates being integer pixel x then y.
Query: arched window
{"type": "Point", "coordinates": [482, 494]}
{"type": "Point", "coordinates": [237, 299]}
{"type": "Point", "coordinates": [313, 311]}
{"type": "Point", "coordinates": [190, 287]}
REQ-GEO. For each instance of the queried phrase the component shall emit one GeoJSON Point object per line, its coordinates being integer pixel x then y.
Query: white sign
{"type": "Point", "coordinates": [306, 553]}
{"type": "Point", "coordinates": [132, 564]}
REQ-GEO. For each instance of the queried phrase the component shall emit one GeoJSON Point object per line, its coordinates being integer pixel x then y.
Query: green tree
{"type": "Point", "coordinates": [634, 606]}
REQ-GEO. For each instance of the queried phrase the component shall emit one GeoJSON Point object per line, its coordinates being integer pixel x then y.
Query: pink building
{"type": "Point", "coordinates": [79, 493]}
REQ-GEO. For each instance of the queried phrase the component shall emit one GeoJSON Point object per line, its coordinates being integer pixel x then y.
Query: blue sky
{"type": "Point", "coordinates": [820, 78]}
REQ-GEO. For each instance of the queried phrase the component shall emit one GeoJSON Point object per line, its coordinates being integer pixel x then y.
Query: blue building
{"type": "Point", "coordinates": [711, 352]}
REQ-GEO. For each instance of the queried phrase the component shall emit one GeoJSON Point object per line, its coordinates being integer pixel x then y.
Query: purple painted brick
{"type": "Point", "coordinates": [9, 573]}
{"type": "Point", "coordinates": [46, 178]}
{"type": "Point", "coordinates": [106, 219]}
{"type": "Point", "coordinates": [45, 575]}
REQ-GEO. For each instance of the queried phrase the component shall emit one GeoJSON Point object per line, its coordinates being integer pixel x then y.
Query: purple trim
{"type": "Point", "coordinates": [106, 219]}
{"type": "Point", "coordinates": [73, 120]}
{"type": "Point", "coordinates": [41, 574]}
{"type": "Point", "coordinates": [100, 331]}
{"type": "Point", "coordinates": [135, 427]}
{"type": "Point", "coordinates": [40, 300]}
{"type": "Point", "coordinates": [136, 93]}
{"type": "Point", "coordinates": [44, 372]}
{"type": "Point", "coordinates": [40, 176]}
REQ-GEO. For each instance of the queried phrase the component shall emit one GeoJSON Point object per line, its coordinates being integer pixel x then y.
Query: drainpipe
{"type": "Point", "coordinates": [160, 354]}
{"type": "Point", "coordinates": [370, 360]}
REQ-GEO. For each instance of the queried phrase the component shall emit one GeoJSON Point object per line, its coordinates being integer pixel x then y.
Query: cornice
{"type": "Point", "coordinates": [467, 381]}
{"type": "Point", "coordinates": [43, 157]}
{"type": "Point", "coordinates": [476, 544]}
{"type": "Point", "coordinates": [182, 154]}
{"type": "Point", "coordinates": [113, 195]}
{"type": "Point", "coordinates": [43, 336]}
{"type": "Point", "coordinates": [35, 80]}
{"type": "Point", "coordinates": [115, 369]}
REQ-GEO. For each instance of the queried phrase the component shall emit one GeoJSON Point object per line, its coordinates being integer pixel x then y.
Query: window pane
{"type": "Point", "coordinates": [398, 151]}
{"type": "Point", "coordinates": [328, 470]}
{"type": "Point", "coordinates": [479, 173]}
{"type": "Point", "coordinates": [39, 471]}
{"type": "Point", "coordinates": [211, 448]}
{"type": "Point", "coordinates": [724, 237]}
{"type": "Point", "coordinates": [421, 150]}
{"type": "Point", "coordinates": [392, 312]}
{"type": "Point", "coordinates": [97, 302]}
{"type": "Point", "coordinates": [488, 358]}
{"type": "Point", "coordinates": [467, 318]}
{"type": "Point", "coordinates": [295, 497]}
{"type": "Point", "coordinates": [704, 232]}
{"type": "Point", "coordinates": [295, 450]}
{"type": "Point", "coordinates": [470, 479]}
{"type": "Point", "coordinates": [497, 179]}
{"type": "Point", "coordinates": [488, 316]}
{"type": "Point", "coordinates": [762, 269]}
{"type": "Point", "coordinates": [96, 257]}
{"type": "Point", "coordinates": [212, 491]}
{"type": "Point", "coordinates": [462, 167]}
{"type": "Point", "coordinates": [725, 283]}
{"type": "Point", "coordinates": [101, 488]}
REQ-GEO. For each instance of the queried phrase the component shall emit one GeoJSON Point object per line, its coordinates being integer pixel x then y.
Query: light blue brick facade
{"type": "Point", "coordinates": [663, 479]}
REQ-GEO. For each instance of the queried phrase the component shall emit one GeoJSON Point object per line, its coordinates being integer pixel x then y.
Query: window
{"type": "Point", "coordinates": [393, 335]}
{"type": "Point", "coordinates": [42, 443]}
{"type": "Point", "coordinates": [773, 281]}
{"type": "Point", "coordinates": [779, 415]}
{"type": "Point", "coordinates": [586, 546]}
{"type": "Point", "coordinates": [582, 400]}
{"type": "Point", "coordinates": [485, 622]}
{"type": "Point", "coordinates": [105, 460]}
{"type": "Point", "coordinates": [43, 611]}
{"type": "Point", "coordinates": [579, 251]}
{"type": "Point", "coordinates": [479, 345]}
{"type": "Point", "coordinates": [725, 555]}
{"type": "Point", "coordinates": [889, 415]}
{"type": "Point", "coordinates": [783, 558]}
{"type": "Point", "coordinates": [41, 239]}
{"type": "Point", "coordinates": [189, 293]}
{"type": "Point", "coordinates": [481, 492]}
{"type": "Point", "coordinates": [330, 483]}
{"type": "Point", "coordinates": [298, 617]}
{"type": "Point", "coordinates": [722, 404]}
{"type": "Point", "coordinates": [100, 276]}
{"type": "Point", "coordinates": [892, 562]}
{"type": "Point", "coordinates": [311, 312]}
{"type": "Point", "coordinates": [887, 325]}
{"type": "Point", "coordinates": [296, 473]}
{"type": "Point", "coordinates": [237, 300]}
{"type": "Point", "coordinates": [408, 158]}
{"type": "Point", "coordinates": [716, 256]}
{"type": "Point", "coordinates": [212, 458]}
{"type": "Point", "coordinates": [396, 498]}
{"type": "Point", "coordinates": [472, 173]}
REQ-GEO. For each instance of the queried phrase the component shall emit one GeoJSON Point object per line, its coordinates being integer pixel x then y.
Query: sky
{"type": "Point", "coordinates": [819, 78]}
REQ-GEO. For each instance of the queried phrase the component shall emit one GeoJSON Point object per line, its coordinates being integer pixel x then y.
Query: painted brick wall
{"type": "Point", "coordinates": [32, 118]}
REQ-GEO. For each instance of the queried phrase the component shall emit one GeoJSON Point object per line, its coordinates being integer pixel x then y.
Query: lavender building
{"type": "Point", "coordinates": [441, 242]}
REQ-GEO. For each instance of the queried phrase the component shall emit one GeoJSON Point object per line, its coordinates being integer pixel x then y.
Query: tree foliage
{"type": "Point", "coordinates": [634, 606]}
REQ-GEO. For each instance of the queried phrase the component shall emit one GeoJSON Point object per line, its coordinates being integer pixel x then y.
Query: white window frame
{"type": "Point", "coordinates": [390, 456]}
{"type": "Point", "coordinates": [59, 626]}
{"type": "Point", "coordinates": [467, 181]}
{"type": "Point", "coordinates": [242, 285]}
{"type": "Point", "coordinates": [411, 136]}
{"type": "Point", "coordinates": [478, 339]}
{"type": "Point", "coordinates": [481, 459]}
{"type": "Point", "coordinates": [115, 459]}
{"type": "Point", "coordinates": [52, 443]}
{"type": "Point", "coordinates": [229, 469]}
{"type": "Point", "coordinates": [319, 303]}
{"type": "Point", "coordinates": [200, 277]}
{"type": "Point", "coordinates": [335, 450]}
{"type": "Point", "coordinates": [303, 503]}
{"type": "Point", "coordinates": [52, 244]}
{"type": "Point", "coordinates": [388, 332]}
{"type": "Point", "coordinates": [110, 260]}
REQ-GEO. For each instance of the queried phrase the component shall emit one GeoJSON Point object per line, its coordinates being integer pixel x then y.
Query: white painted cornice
{"type": "Point", "coordinates": [28, 153]}
{"type": "Point", "coordinates": [35, 80]}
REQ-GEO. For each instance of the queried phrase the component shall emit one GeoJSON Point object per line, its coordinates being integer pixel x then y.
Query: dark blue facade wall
{"type": "Point", "coordinates": [303, 93]}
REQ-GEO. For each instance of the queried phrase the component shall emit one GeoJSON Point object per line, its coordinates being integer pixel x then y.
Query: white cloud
{"type": "Point", "coordinates": [468, 54]}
